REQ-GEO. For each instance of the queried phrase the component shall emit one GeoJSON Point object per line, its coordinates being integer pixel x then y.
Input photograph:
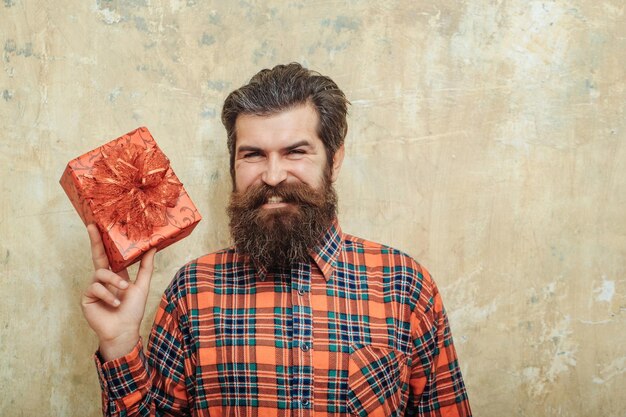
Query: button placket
{"type": "Point", "coordinates": [302, 354]}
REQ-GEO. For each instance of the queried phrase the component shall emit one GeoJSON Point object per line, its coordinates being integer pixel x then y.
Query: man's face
{"type": "Point", "coordinates": [281, 148]}
{"type": "Point", "coordinates": [283, 199]}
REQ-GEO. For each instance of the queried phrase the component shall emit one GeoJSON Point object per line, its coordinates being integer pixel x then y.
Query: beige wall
{"type": "Point", "coordinates": [486, 139]}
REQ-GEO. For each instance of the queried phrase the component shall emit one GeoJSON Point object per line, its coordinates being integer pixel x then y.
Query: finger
{"type": "Point", "coordinates": [97, 292]}
{"type": "Point", "coordinates": [124, 274]}
{"type": "Point", "coordinates": [98, 255]}
{"type": "Point", "coordinates": [108, 277]}
{"type": "Point", "coordinates": [146, 267]}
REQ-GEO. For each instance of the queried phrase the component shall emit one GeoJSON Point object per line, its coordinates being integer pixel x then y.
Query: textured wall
{"type": "Point", "coordinates": [486, 139]}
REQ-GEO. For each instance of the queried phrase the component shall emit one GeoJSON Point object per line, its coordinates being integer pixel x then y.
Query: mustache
{"type": "Point", "coordinates": [296, 193]}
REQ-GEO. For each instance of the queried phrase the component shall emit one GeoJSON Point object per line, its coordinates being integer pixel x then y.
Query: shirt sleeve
{"type": "Point", "coordinates": [437, 387]}
{"type": "Point", "coordinates": [140, 385]}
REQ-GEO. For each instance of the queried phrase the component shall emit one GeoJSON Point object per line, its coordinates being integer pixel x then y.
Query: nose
{"type": "Point", "coordinates": [275, 172]}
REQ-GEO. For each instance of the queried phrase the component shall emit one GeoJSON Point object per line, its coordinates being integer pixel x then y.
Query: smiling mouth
{"type": "Point", "coordinates": [274, 200]}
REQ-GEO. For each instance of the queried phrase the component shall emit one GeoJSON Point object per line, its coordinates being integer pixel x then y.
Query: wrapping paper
{"type": "Point", "coordinates": [127, 188]}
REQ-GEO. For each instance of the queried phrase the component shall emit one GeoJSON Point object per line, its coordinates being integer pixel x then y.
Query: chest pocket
{"type": "Point", "coordinates": [377, 381]}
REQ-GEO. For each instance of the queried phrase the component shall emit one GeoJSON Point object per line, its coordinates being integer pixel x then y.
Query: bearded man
{"type": "Point", "coordinates": [297, 318]}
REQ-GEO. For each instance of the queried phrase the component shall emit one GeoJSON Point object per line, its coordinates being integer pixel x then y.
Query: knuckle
{"type": "Point", "coordinates": [101, 274]}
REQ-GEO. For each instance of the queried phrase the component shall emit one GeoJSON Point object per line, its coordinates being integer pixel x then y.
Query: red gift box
{"type": "Point", "coordinates": [127, 188]}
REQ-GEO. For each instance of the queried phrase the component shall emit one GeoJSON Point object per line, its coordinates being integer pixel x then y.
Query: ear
{"type": "Point", "coordinates": [337, 161]}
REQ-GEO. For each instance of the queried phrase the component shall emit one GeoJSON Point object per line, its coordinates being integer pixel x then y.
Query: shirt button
{"type": "Point", "coordinates": [301, 291]}
{"type": "Point", "coordinates": [305, 402]}
{"type": "Point", "coordinates": [305, 347]}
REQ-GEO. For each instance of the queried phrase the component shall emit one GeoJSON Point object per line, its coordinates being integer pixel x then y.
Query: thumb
{"type": "Point", "coordinates": [146, 267]}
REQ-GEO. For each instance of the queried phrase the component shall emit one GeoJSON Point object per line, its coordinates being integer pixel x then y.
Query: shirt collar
{"type": "Point", "coordinates": [324, 255]}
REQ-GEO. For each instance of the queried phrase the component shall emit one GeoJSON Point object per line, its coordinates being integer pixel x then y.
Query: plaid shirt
{"type": "Point", "coordinates": [360, 330]}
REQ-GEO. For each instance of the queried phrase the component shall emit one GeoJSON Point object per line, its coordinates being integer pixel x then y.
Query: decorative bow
{"type": "Point", "coordinates": [132, 186]}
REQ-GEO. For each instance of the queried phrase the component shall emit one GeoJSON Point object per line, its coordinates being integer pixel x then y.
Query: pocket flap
{"type": "Point", "coordinates": [376, 380]}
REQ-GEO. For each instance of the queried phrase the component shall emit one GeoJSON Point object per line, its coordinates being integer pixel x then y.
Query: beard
{"type": "Point", "coordinates": [279, 237]}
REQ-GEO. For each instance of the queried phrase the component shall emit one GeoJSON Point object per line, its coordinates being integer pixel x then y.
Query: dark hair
{"type": "Point", "coordinates": [283, 87]}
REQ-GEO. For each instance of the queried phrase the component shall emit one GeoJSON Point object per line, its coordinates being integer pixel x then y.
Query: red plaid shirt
{"type": "Point", "coordinates": [360, 330]}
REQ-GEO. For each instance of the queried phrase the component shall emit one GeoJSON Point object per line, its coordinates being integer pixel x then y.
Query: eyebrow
{"type": "Point", "coordinates": [298, 144]}
{"type": "Point", "coordinates": [303, 142]}
{"type": "Point", "coordinates": [248, 149]}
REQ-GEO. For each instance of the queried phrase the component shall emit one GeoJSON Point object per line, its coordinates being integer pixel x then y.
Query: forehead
{"type": "Point", "coordinates": [279, 129]}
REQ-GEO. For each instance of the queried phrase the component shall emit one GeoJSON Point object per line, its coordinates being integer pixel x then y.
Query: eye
{"type": "Point", "coordinates": [251, 155]}
{"type": "Point", "coordinates": [297, 152]}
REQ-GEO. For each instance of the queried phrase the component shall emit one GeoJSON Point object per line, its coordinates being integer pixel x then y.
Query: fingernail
{"type": "Point", "coordinates": [124, 284]}
{"type": "Point", "coordinates": [116, 302]}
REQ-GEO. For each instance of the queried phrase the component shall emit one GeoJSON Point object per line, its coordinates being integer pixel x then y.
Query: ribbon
{"type": "Point", "coordinates": [132, 186]}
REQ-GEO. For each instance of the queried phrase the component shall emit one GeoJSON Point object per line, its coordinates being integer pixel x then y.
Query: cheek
{"type": "Point", "coordinates": [244, 177]}
{"type": "Point", "coordinates": [311, 174]}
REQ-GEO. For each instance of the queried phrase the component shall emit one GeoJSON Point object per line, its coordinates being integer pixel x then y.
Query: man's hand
{"type": "Point", "coordinates": [112, 304]}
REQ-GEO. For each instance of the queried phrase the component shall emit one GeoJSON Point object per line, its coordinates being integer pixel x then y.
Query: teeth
{"type": "Point", "coordinates": [274, 200]}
